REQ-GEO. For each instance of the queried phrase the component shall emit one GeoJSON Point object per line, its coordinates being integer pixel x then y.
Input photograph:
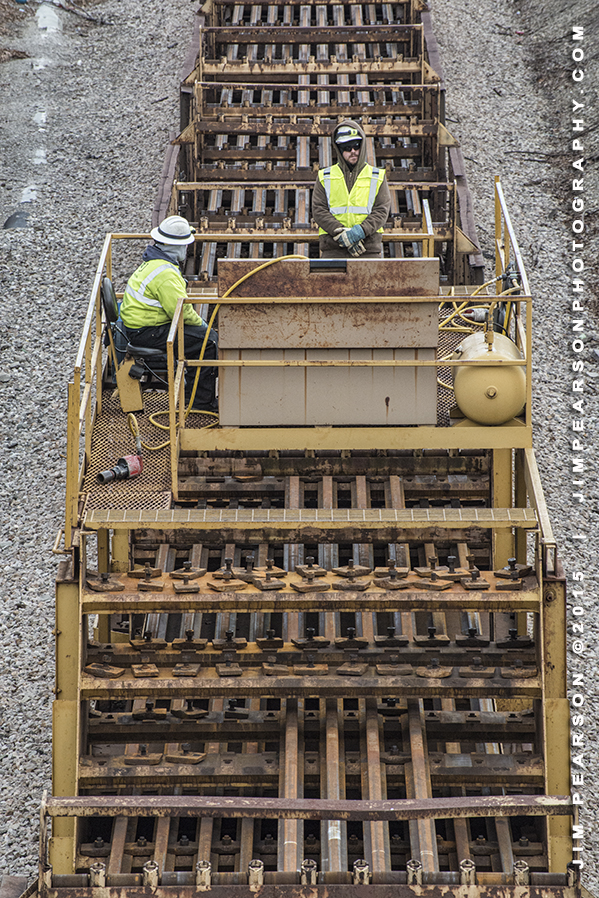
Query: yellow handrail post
{"type": "Point", "coordinates": [173, 393]}
{"type": "Point", "coordinates": [72, 485]}
{"type": "Point", "coordinates": [511, 246]}
{"type": "Point", "coordinates": [86, 409]}
{"type": "Point", "coordinates": [181, 358]}
{"type": "Point", "coordinates": [98, 355]}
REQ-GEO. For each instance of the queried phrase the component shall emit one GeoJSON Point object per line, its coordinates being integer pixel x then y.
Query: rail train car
{"type": "Point", "coordinates": [316, 646]}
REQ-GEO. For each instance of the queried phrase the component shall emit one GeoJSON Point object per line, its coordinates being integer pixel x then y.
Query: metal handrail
{"type": "Point", "coordinates": [87, 374]}
{"type": "Point", "coordinates": [506, 243]}
{"type": "Point", "coordinates": [85, 398]}
{"type": "Point", "coordinates": [80, 405]}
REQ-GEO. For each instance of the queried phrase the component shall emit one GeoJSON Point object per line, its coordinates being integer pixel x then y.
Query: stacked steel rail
{"type": "Point", "coordinates": [270, 83]}
{"type": "Point", "coordinates": [288, 659]}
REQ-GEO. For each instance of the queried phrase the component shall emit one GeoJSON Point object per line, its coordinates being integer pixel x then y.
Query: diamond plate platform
{"type": "Point", "coordinates": [112, 439]}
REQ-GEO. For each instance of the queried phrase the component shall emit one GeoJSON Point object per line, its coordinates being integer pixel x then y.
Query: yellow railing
{"type": "Point", "coordinates": [81, 391]}
{"type": "Point", "coordinates": [84, 392]}
{"type": "Point", "coordinates": [506, 250]}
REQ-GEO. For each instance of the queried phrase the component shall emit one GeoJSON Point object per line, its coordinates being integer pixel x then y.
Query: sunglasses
{"type": "Point", "coordinates": [354, 145]}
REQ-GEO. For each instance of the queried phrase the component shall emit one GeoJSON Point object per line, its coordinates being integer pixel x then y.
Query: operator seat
{"type": "Point", "coordinates": [153, 361]}
{"type": "Point", "coordinates": [111, 310]}
{"type": "Point", "coordinates": [138, 367]}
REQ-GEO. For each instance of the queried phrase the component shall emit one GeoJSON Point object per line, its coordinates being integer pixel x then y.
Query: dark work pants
{"type": "Point", "coordinates": [155, 337]}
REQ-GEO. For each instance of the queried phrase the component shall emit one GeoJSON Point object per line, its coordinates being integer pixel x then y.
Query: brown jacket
{"type": "Point", "coordinates": [327, 221]}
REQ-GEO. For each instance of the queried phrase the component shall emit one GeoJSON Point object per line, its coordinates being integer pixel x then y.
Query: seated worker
{"type": "Point", "coordinates": [351, 200]}
{"type": "Point", "coordinates": [150, 300]}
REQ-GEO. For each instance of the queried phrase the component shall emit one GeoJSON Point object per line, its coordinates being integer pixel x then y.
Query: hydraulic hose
{"type": "Point", "coordinates": [491, 309]}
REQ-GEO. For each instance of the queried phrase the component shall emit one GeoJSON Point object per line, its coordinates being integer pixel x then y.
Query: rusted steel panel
{"type": "Point", "coordinates": [291, 833]}
{"type": "Point", "coordinates": [399, 178]}
{"type": "Point", "coordinates": [243, 731]}
{"type": "Point", "coordinates": [307, 687]}
{"type": "Point", "coordinates": [417, 656]}
{"type": "Point", "coordinates": [418, 787]}
{"type": "Point", "coordinates": [337, 326]}
{"type": "Point", "coordinates": [373, 466]}
{"type": "Point", "coordinates": [333, 833]}
{"type": "Point", "coordinates": [374, 785]}
{"type": "Point", "coordinates": [372, 277]}
{"type": "Point", "coordinates": [270, 601]}
{"type": "Point", "coordinates": [214, 111]}
{"type": "Point", "coordinates": [257, 70]}
{"type": "Point", "coordinates": [308, 809]}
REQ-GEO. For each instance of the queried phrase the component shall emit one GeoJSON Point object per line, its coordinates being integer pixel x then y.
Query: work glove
{"type": "Point", "coordinates": [349, 236]}
{"type": "Point", "coordinates": [357, 249]}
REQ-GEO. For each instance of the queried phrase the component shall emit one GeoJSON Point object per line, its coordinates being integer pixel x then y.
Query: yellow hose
{"type": "Point", "coordinates": [458, 308]}
{"type": "Point", "coordinates": [131, 419]}
{"type": "Point", "coordinates": [486, 284]}
{"type": "Point", "coordinates": [457, 311]}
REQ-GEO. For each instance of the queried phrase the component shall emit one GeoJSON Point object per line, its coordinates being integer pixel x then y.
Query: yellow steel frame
{"type": "Point", "coordinates": [503, 441]}
{"type": "Point", "coordinates": [556, 711]}
{"type": "Point", "coordinates": [85, 402]}
{"type": "Point", "coordinates": [65, 709]}
{"type": "Point", "coordinates": [88, 367]}
{"type": "Point", "coordinates": [506, 248]}
{"type": "Point", "coordinates": [556, 717]}
{"type": "Point", "coordinates": [261, 234]}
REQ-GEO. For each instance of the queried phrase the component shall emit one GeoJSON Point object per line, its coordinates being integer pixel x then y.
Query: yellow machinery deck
{"type": "Point", "coordinates": [293, 655]}
{"type": "Point", "coordinates": [311, 665]}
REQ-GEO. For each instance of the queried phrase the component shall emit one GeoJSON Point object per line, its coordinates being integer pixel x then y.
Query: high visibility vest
{"type": "Point", "coordinates": [140, 307]}
{"type": "Point", "coordinates": [351, 208]}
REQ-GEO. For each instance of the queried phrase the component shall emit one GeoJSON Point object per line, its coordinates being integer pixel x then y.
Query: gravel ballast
{"type": "Point", "coordinates": [87, 115]}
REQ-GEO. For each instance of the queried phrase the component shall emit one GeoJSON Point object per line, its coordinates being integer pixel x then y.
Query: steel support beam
{"type": "Point", "coordinates": [65, 711]}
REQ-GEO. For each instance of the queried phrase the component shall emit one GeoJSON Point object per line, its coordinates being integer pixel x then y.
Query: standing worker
{"type": "Point", "coordinates": [351, 200]}
{"type": "Point", "coordinates": [151, 298]}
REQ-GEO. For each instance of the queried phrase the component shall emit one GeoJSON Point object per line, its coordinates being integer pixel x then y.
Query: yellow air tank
{"type": "Point", "coordinates": [493, 395]}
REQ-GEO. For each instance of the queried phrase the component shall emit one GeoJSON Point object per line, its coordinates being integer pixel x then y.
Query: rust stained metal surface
{"type": "Point", "coordinates": [444, 726]}
{"type": "Point", "coordinates": [304, 128]}
{"type": "Point", "coordinates": [372, 465]}
{"type": "Point", "coordinates": [308, 809]}
{"type": "Point", "coordinates": [295, 68]}
{"type": "Point", "coordinates": [400, 179]}
{"type": "Point", "coordinates": [330, 602]}
{"type": "Point", "coordinates": [254, 687]}
{"type": "Point", "coordinates": [373, 277]}
{"type": "Point", "coordinates": [321, 326]}
{"type": "Point", "coordinates": [395, 889]}
{"type": "Point", "coordinates": [216, 111]}
{"type": "Point", "coordinates": [376, 89]}
{"type": "Point", "coordinates": [291, 723]}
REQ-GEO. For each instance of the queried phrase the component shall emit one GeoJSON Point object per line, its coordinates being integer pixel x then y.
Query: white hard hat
{"type": "Point", "coordinates": [173, 230]}
{"type": "Point", "coordinates": [345, 134]}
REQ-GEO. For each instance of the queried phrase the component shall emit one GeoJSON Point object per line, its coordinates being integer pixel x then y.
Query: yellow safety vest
{"type": "Point", "coordinates": [351, 208]}
{"type": "Point", "coordinates": [151, 296]}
